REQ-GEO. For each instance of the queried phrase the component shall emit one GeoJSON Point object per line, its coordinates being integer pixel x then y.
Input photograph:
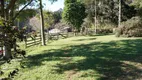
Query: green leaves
{"type": "Point", "coordinates": [48, 18]}
{"type": "Point", "coordinates": [137, 3]}
{"type": "Point", "coordinates": [27, 13]}
{"type": "Point", "coordinates": [107, 10]}
{"type": "Point", "coordinates": [74, 13]}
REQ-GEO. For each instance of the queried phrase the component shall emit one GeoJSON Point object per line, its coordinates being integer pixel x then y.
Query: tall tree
{"type": "Point", "coordinates": [95, 17]}
{"type": "Point", "coordinates": [74, 13]}
{"type": "Point", "coordinates": [42, 24]}
{"type": "Point", "coordinates": [119, 17]}
{"type": "Point", "coordinates": [108, 10]}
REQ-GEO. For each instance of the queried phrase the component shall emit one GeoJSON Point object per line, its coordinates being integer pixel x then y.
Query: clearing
{"type": "Point", "coordinates": [83, 58]}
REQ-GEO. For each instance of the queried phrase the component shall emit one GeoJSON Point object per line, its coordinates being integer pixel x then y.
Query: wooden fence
{"type": "Point", "coordinates": [32, 41]}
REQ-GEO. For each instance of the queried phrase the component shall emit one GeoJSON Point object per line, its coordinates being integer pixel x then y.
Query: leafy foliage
{"type": "Point", "coordinates": [57, 15]}
{"type": "Point", "coordinates": [107, 10]}
{"type": "Point", "coordinates": [27, 13]}
{"type": "Point", "coordinates": [49, 18]}
{"type": "Point", "coordinates": [137, 3]}
{"type": "Point", "coordinates": [130, 28]}
{"type": "Point", "coordinates": [74, 13]}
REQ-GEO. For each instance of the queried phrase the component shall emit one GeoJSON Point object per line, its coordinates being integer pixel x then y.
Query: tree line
{"type": "Point", "coordinates": [97, 13]}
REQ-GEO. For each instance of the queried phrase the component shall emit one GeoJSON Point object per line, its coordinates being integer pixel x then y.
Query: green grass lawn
{"type": "Point", "coordinates": [82, 58]}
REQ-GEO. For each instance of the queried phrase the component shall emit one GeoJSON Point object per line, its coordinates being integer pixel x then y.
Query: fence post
{"type": "Point", "coordinates": [40, 39]}
{"type": "Point", "coordinates": [35, 40]}
{"type": "Point", "coordinates": [2, 49]}
{"type": "Point", "coordinates": [47, 36]}
{"type": "Point", "coordinates": [25, 42]}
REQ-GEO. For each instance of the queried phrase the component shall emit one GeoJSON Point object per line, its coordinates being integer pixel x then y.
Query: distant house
{"type": "Point", "coordinates": [54, 31]}
{"type": "Point", "coordinates": [63, 27]}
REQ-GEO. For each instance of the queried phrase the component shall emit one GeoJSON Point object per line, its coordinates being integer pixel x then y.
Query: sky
{"type": "Point", "coordinates": [55, 6]}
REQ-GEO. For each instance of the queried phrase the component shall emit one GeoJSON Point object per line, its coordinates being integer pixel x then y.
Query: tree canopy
{"type": "Point", "coordinates": [74, 13]}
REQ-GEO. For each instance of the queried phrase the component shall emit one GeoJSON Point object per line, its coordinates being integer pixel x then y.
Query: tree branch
{"type": "Point", "coordinates": [21, 10]}
{"type": "Point", "coordinates": [11, 4]}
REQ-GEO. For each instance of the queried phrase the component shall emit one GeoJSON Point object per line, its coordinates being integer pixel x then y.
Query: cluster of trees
{"type": "Point", "coordinates": [97, 13]}
{"type": "Point", "coordinates": [51, 18]}
{"type": "Point", "coordinates": [74, 13]}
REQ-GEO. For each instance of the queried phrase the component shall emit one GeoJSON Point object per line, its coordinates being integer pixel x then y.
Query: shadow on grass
{"type": "Point", "coordinates": [101, 34]}
{"type": "Point", "coordinates": [85, 39]}
{"type": "Point", "coordinates": [113, 60]}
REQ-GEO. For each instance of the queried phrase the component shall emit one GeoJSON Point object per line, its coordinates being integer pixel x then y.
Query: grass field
{"type": "Point", "coordinates": [82, 58]}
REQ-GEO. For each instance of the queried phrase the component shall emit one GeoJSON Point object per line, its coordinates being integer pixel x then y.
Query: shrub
{"type": "Point", "coordinates": [104, 31]}
{"type": "Point", "coordinates": [130, 28]}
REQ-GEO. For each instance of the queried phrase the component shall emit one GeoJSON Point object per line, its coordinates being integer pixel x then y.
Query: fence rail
{"type": "Point", "coordinates": [29, 41]}
{"type": "Point", "coordinates": [32, 41]}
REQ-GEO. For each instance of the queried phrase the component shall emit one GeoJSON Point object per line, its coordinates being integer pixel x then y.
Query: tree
{"type": "Point", "coordinates": [42, 24]}
{"type": "Point", "coordinates": [137, 3]}
{"type": "Point", "coordinates": [7, 9]}
{"type": "Point", "coordinates": [119, 17]}
{"type": "Point", "coordinates": [107, 10]}
{"type": "Point", "coordinates": [48, 18]}
{"type": "Point", "coordinates": [74, 13]}
{"type": "Point", "coordinates": [9, 33]}
{"type": "Point", "coordinates": [27, 13]}
{"type": "Point", "coordinates": [57, 15]}
{"type": "Point", "coordinates": [138, 6]}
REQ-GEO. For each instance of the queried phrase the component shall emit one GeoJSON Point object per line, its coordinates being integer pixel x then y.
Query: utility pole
{"type": "Point", "coordinates": [42, 24]}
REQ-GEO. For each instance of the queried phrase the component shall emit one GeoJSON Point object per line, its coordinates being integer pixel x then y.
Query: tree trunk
{"type": "Point", "coordinates": [7, 52]}
{"type": "Point", "coordinates": [42, 25]}
{"type": "Point", "coordinates": [119, 17]}
{"type": "Point", "coordinates": [7, 47]}
{"type": "Point", "coordinates": [95, 18]}
{"type": "Point", "coordinates": [7, 15]}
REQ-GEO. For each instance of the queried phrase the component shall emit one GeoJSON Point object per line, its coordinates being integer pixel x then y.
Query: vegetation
{"type": "Point", "coordinates": [8, 8]}
{"type": "Point", "coordinates": [88, 56]}
{"type": "Point", "coordinates": [83, 58]}
{"type": "Point", "coordinates": [74, 13]}
{"type": "Point", "coordinates": [26, 14]}
{"type": "Point", "coordinates": [130, 28]}
{"type": "Point", "coordinates": [107, 11]}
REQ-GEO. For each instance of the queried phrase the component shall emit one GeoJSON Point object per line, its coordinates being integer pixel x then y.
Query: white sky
{"type": "Point", "coordinates": [55, 6]}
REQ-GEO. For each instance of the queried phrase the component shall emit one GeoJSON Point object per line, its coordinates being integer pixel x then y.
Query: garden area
{"type": "Point", "coordinates": [70, 39]}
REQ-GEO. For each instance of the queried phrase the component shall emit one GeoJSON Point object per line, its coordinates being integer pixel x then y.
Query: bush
{"type": "Point", "coordinates": [104, 31]}
{"type": "Point", "coordinates": [106, 28]}
{"type": "Point", "coordinates": [130, 28]}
